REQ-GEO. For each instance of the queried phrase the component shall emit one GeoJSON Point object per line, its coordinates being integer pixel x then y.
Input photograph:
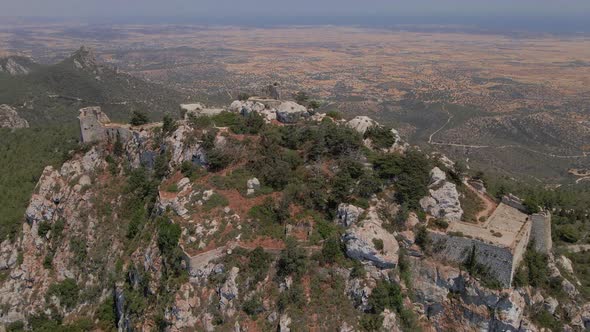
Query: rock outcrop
{"type": "Point", "coordinates": [9, 118]}
{"type": "Point", "coordinates": [16, 65]}
{"type": "Point", "coordinates": [348, 214]}
{"type": "Point", "coordinates": [450, 298]}
{"type": "Point", "coordinates": [246, 107]}
{"type": "Point", "coordinates": [291, 112]}
{"type": "Point", "coordinates": [443, 201]}
{"type": "Point", "coordinates": [362, 123]}
{"type": "Point", "coordinates": [252, 186]}
{"type": "Point", "coordinates": [370, 242]}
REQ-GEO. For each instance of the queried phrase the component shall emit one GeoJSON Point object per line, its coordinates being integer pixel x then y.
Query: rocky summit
{"type": "Point", "coordinates": [269, 215]}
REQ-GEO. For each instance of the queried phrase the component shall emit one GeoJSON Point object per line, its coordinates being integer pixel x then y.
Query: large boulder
{"type": "Point", "coordinates": [443, 201]}
{"type": "Point", "coordinates": [290, 112]}
{"type": "Point", "coordinates": [371, 243]}
{"type": "Point", "coordinates": [362, 123]}
{"type": "Point", "coordinates": [348, 214]}
{"type": "Point", "coordinates": [253, 185]}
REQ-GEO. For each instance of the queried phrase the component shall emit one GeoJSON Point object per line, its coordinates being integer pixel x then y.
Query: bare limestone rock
{"type": "Point", "coordinates": [433, 283]}
{"type": "Point", "coordinates": [390, 321]}
{"type": "Point", "coordinates": [360, 242]}
{"type": "Point", "coordinates": [348, 214]}
{"type": "Point", "coordinates": [358, 291]}
{"type": "Point", "coordinates": [361, 123]}
{"type": "Point", "coordinates": [9, 118]}
{"type": "Point", "coordinates": [252, 185]}
{"type": "Point", "coordinates": [8, 255]}
{"type": "Point", "coordinates": [15, 65]}
{"type": "Point", "coordinates": [181, 315]}
{"type": "Point", "coordinates": [249, 106]}
{"type": "Point", "coordinates": [290, 112]}
{"type": "Point", "coordinates": [566, 264]}
{"type": "Point", "coordinates": [550, 305]}
{"type": "Point", "coordinates": [181, 150]}
{"type": "Point", "coordinates": [229, 291]}
{"type": "Point", "coordinates": [443, 201]}
{"type": "Point", "coordinates": [284, 323]}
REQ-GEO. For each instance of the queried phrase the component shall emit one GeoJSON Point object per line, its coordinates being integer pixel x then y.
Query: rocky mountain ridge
{"type": "Point", "coordinates": [176, 226]}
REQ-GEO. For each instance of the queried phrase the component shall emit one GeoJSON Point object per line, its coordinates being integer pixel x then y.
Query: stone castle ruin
{"type": "Point", "coordinates": [95, 126]}
{"type": "Point", "coordinates": [499, 243]}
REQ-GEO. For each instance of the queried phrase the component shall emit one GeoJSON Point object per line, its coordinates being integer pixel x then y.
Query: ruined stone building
{"type": "Point", "coordinates": [95, 126]}
{"type": "Point", "coordinates": [499, 243]}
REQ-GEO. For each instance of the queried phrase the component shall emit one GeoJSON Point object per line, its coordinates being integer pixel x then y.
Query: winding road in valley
{"type": "Point", "coordinates": [513, 146]}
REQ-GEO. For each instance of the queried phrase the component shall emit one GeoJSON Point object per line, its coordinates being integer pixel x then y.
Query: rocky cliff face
{"type": "Point", "coordinates": [16, 65]}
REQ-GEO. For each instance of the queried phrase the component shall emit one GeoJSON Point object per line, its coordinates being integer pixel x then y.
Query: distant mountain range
{"type": "Point", "coordinates": [54, 93]}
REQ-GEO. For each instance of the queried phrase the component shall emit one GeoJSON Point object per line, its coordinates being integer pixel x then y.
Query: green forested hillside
{"type": "Point", "coordinates": [23, 155]}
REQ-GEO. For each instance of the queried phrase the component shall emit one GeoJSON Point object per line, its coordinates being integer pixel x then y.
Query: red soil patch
{"type": "Point", "coordinates": [241, 204]}
{"type": "Point", "coordinates": [167, 194]}
{"type": "Point", "coordinates": [264, 242]}
{"type": "Point", "coordinates": [250, 325]}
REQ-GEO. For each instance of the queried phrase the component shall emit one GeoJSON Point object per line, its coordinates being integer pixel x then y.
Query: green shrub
{"type": "Point", "coordinates": [253, 306]}
{"type": "Point", "coordinates": [168, 236]}
{"type": "Point", "coordinates": [66, 291]}
{"type": "Point", "coordinates": [200, 122]}
{"type": "Point", "coordinates": [378, 243]}
{"type": "Point", "coordinates": [385, 295]}
{"type": "Point", "coordinates": [138, 118]}
{"type": "Point", "coordinates": [294, 296]}
{"type": "Point", "coordinates": [169, 125]}
{"type": "Point", "coordinates": [568, 233]}
{"type": "Point", "coordinates": [106, 314]}
{"type": "Point", "coordinates": [218, 159]}
{"type": "Point", "coordinates": [216, 200]}
{"type": "Point", "coordinates": [332, 250]}
{"type": "Point", "coordinates": [440, 223]}
{"type": "Point", "coordinates": [16, 326]}
{"type": "Point", "coordinates": [78, 248]}
{"type": "Point", "coordinates": [533, 269]}
{"type": "Point", "coordinates": [422, 238]}
{"type": "Point", "coordinates": [44, 228]}
{"type": "Point", "coordinates": [172, 188]}
{"type": "Point", "coordinates": [293, 260]}
{"type": "Point", "coordinates": [381, 137]}
{"type": "Point", "coordinates": [333, 114]}
{"type": "Point", "coordinates": [371, 322]}
{"type": "Point", "coordinates": [243, 96]}
{"type": "Point", "coordinates": [546, 320]}
{"type": "Point", "coordinates": [259, 263]}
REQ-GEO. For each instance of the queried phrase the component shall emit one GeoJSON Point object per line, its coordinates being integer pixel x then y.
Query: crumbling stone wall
{"type": "Point", "coordinates": [500, 261]}
{"type": "Point", "coordinates": [514, 202]}
{"type": "Point", "coordinates": [541, 232]}
{"type": "Point", "coordinates": [95, 126]}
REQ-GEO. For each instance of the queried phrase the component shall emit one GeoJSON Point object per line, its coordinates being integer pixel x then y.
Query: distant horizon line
{"type": "Point", "coordinates": [535, 23]}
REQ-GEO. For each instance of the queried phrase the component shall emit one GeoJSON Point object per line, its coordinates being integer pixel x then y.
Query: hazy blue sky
{"type": "Point", "coordinates": [218, 8]}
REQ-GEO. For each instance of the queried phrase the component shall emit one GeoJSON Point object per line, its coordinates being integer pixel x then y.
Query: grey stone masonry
{"type": "Point", "coordinates": [541, 232]}
{"type": "Point", "coordinates": [95, 126]}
